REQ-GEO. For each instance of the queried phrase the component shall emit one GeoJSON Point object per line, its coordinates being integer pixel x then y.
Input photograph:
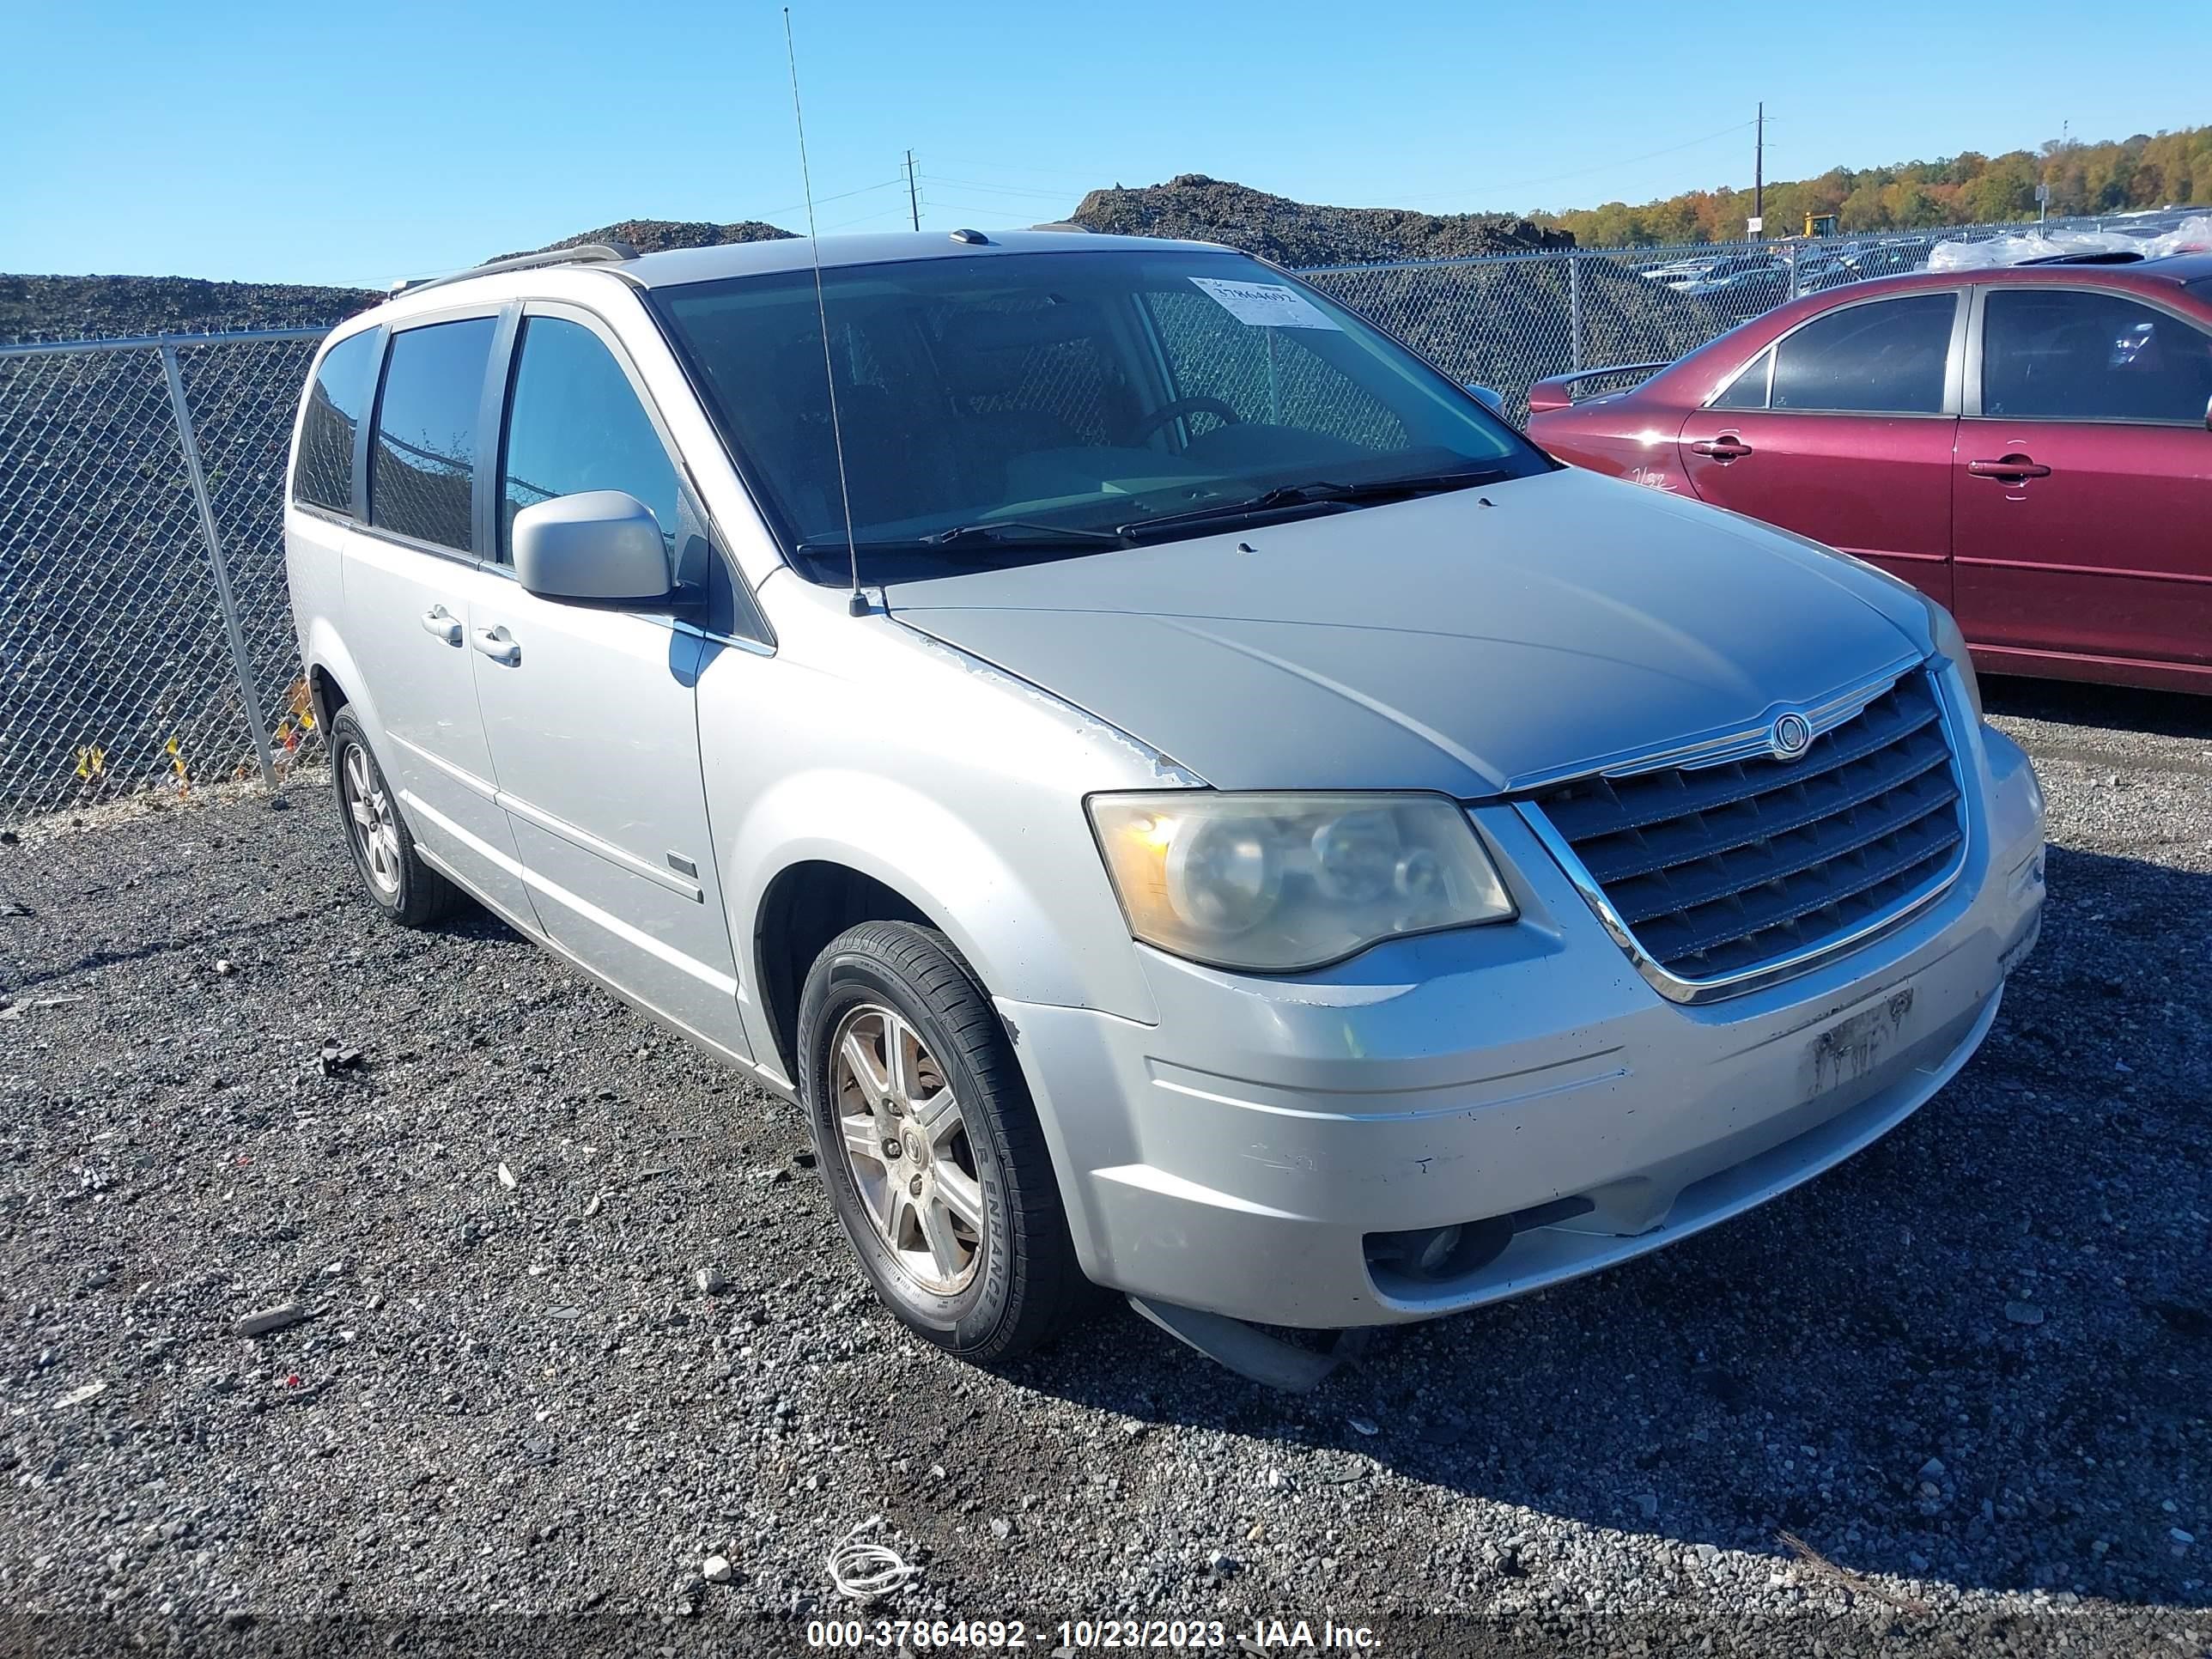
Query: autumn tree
{"type": "Point", "coordinates": [2166, 169]}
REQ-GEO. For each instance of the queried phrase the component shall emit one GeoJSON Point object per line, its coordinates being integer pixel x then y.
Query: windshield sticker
{"type": "Point", "coordinates": [1264, 305]}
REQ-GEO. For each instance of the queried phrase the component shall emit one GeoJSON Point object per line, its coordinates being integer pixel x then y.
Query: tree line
{"type": "Point", "coordinates": [2166, 169]}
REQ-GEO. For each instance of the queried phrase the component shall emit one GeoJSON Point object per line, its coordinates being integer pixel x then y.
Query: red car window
{"type": "Point", "coordinates": [1749, 389]}
{"type": "Point", "coordinates": [2072, 355]}
{"type": "Point", "coordinates": [1886, 357]}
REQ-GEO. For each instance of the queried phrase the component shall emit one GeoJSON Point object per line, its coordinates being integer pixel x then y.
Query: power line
{"type": "Point", "coordinates": [862, 190]}
{"type": "Point", "coordinates": [788, 206]}
{"type": "Point", "coordinates": [880, 213]}
{"type": "Point", "coordinates": [998, 165]}
{"type": "Point", "coordinates": [989, 210]}
{"type": "Point", "coordinates": [997, 190]}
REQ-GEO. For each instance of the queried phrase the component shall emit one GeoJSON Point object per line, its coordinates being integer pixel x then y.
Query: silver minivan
{"type": "Point", "coordinates": [1183, 797]}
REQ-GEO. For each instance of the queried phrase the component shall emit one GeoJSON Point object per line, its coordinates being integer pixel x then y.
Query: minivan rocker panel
{"type": "Point", "coordinates": [1246, 829]}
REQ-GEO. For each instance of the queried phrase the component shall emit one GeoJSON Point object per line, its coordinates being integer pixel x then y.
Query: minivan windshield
{"type": "Point", "coordinates": [1011, 407]}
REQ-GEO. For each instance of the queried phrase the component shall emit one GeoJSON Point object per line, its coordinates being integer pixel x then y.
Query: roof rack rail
{"type": "Point", "coordinates": [586, 253]}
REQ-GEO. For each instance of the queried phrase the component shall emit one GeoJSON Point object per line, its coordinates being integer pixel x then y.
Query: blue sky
{"type": "Point", "coordinates": [357, 144]}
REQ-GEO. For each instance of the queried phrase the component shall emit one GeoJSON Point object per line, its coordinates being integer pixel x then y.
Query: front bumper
{"type": "Point", "coordinates": [1239, 1155]}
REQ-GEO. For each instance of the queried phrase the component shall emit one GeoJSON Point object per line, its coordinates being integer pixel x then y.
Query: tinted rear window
{"type": "Point", "coordinates": [322, 470]}
{"type": "Point", "coordinates": [422, 480]}
{"type": "Point", "coordinates": [1885, 358]}
{"type": "Point", "coordinates": [1749, 389]}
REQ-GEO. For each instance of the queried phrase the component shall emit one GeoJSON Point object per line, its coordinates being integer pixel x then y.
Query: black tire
{"type": "Point", "coordinates": [398, 882]}
{"type": "Point", "coordinates": [1025, 1284]}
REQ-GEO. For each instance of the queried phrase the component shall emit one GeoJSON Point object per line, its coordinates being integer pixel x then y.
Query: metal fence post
{"type": "Point", "coordinates": [1575, 311]}
{"type": "Point", "coordinates": [230, 625]}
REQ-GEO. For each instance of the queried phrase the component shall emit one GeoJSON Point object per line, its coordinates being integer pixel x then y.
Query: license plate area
{"type": "Point", "coordinates": [1858, 1044]}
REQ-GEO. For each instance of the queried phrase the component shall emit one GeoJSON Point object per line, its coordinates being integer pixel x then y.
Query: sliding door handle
{"type": "Point", "coordinates": [498, 644]}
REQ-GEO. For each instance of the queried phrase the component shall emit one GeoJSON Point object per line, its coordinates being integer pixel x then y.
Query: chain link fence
{"type": "Point", "coordinates": [1510, 320]}
{"type": "Point", "coordinates": [146, 636]}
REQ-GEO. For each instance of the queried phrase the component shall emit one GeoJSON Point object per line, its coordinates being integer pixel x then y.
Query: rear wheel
{"type": "Point", "coordinates": [402, 886]}
{"type": "Point", "coordinates": [930, 1146]}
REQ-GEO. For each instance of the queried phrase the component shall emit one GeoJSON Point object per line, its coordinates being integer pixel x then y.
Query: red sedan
{"type": "Point", "coordinates": [2032, 446]}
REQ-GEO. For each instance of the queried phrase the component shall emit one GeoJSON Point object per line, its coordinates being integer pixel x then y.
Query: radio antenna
{"type": "Point", "coordinates": [857, 603]}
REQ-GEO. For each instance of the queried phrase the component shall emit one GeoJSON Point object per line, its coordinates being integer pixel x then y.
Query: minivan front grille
{"type": "Point", "coordinates": [1716, 872]}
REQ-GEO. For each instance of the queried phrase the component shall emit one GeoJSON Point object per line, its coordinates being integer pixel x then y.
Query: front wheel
{"type": "Point", "coordinates": [930, 1146]}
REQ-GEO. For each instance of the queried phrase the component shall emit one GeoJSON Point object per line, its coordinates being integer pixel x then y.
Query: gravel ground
{"type": "Point", "coordinates": [1970, 1370]}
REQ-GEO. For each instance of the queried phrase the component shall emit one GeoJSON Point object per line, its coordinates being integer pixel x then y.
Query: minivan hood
{"type": "Point", "coordinates": [1468, 643]}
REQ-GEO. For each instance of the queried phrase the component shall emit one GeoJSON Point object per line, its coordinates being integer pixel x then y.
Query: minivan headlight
{"type": "Point", "coordinates": [1275, 883]}
{"type": "Point", "coordinates": [1951, 645]}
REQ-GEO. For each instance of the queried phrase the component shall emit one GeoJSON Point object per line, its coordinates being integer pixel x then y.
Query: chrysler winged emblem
{"type": "Point", "coordinates": [1791, 737]}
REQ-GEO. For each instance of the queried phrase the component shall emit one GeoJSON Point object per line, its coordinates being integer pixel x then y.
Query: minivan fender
{"type": "Point", "coordinates": [1012, 932]}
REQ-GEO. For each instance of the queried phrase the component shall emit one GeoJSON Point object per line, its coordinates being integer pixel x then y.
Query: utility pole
{"type": "Point", "coordinates": [1758, 174]}
{"type": "Point", "coordinates": [2043, 189]}
{"type": "Point", "coordinates": [913, 199]}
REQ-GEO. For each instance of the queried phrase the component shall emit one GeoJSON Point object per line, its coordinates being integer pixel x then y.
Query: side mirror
{"type": "Point", "coordinates": [1488, 398]}
{"type": "Point", "coordinates": [596, 546]}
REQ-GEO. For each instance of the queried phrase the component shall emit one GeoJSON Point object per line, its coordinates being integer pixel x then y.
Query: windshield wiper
{"type": "Point", "coordinates": [1012, 534]}
{"type": "Point", "coordinates": [1321, 492]}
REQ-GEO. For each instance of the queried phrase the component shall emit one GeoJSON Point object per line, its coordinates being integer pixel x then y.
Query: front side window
{"type": "Point", "coordinates": [322, 472]}
{"type": "Point", "coordinates": [423, 470]}
{"type": "Point", "coordinates": [2051, 354]}
{"type": "Point", "coordinates": [1097, 398]}
{"type": "Point", "coordinates": [574, 424]}
{"type": "Point", "coordinates": [1883, 358]}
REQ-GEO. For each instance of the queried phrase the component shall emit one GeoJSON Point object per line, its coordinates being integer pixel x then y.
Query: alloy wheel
{"type": "Point", "coordinates": [371, 821]}
{"type": "Point", "coordinates": [907, 1145]}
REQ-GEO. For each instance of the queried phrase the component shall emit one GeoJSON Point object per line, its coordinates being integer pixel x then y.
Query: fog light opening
{"type": "Point", "coordinates": [1421, 1256]}
{"type": "Point", "coordinates": [1432, 1253]}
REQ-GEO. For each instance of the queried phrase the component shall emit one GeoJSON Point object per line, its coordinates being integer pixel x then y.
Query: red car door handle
{"type": "Point", "coordinates": [2011, 469]}
{"type": "Point", "coordinates": [1724, 448]}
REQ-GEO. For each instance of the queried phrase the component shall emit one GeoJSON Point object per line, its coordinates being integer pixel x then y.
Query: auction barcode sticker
{"type": "Point", "coordinates": [1264, 305]}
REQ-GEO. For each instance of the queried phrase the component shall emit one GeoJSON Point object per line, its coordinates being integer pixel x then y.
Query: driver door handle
{"type": "Point", "coordinates": [442, 623]}
{"type": "Point", "coordinates": [1726, 447]}
{"type": "Point", "coordinates": [2011, 469]}
{"type": "Point", "coordinates": [498, 644]}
